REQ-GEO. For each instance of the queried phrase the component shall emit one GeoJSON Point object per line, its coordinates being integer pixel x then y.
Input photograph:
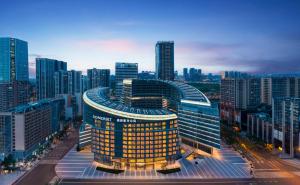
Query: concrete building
{"type": "Point", "coordinates": [259, 125]}
{"type": "Point", "coordinates": [164, 60]}
{"type": "Point", "coordinates": [273, 87]}
{"type": "Point", "coordinates": [239, 95]}
{"type": "Point", "coordinates": [285, 120]}
{"type": "Point", "coordinates": [26, 126]}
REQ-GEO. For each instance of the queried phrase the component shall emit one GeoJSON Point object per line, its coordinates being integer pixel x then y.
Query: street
{"type": "Point", "coordinates": [45, 169]}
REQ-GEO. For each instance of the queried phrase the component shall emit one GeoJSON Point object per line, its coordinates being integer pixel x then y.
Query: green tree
{"type": "Point", "coordinates": [9, 161]}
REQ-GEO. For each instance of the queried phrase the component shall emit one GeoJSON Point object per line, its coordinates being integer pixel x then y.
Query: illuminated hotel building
{"type": "Point", "coordinates": [132, 135]}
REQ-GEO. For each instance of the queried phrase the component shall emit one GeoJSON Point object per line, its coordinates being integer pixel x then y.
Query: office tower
{"type": "Point", "coordinates": [164, 58]}
{"type": "Point", "coordinates": [124, 71]}
{"type": "Point", "coordinates": [45, 76]}
{"type": "Point", "coordinates": [83, 84]}
{"type": "Point", "coordinates": [74, 82]}
{"type": "Point", "coordinates": [185, 74]}
{"type": "Point", "coordinates": [26, 126]}
{"type": "Point", "coordinates": [286, 113]}
{"type": "Point", "coordinates": [61, 81]}
{"type": "Point", "coordinates": [14, 82]}
{"type": "Point", "coordinates": [195, 74]}
{"type": "Point", "coordinates": [13, 60]}
{"type": "Point", "coordinates": [98, 78]}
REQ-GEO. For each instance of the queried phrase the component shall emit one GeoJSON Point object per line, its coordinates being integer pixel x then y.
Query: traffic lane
{"type": "Point", "coordinates": [40, 175]}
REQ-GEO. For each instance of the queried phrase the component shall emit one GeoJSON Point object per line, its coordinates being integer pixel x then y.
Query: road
{"type": "Point", "coordinates": [45, 169]}
{"type": "Point", "coordinates": [182, 182]}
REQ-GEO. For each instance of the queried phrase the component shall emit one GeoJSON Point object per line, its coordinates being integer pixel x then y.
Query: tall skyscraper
{"type": "Point", "coordinates": [83, 84]}
{"type": "Point", "coordinates": [124, 71]}
{"type": "Point", "coordinates": [14, 80]}
{"type": "Point", "coordinates": [13, 60]}
{"type": "Point", "coordinates": [74, 82]}
{"type": "Point", "coordinates": [45, 76]}
{"type": "Point", "coordinates": [98, 78]}
{"type": "Point", "coordinates": [164, 60]}
{"type": "Point", "coordinates": [61, 82]}
{"type": "Point", "coordinates": [185, 74]}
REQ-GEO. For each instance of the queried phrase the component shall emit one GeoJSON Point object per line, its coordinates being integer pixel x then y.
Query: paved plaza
{"type": "Point", "coordinates": [228, 164]}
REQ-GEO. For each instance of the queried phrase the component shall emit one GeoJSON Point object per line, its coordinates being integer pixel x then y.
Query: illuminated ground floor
{"type": "Point", "coordinates": [224, 164]}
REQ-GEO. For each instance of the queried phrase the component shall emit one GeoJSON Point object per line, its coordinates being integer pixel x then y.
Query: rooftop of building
{"type": "Point", "coordinates": [99, 99]}
{"type": "Point", "coordinates": [33, 105]}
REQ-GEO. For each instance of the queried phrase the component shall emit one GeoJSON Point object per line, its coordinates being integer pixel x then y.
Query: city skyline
{"type": "Point", "coordinates": [256, 36]}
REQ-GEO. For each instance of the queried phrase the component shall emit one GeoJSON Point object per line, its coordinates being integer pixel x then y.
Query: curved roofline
{"type": "Point", "coordinates": [186, 99]}
{"type": "Point", "coordinates": [125, 114]}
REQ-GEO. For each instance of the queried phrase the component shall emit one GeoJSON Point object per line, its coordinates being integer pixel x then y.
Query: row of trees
{"type": "Point", "coordinates": [8, 163]}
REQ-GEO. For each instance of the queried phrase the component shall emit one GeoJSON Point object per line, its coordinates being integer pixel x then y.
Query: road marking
{"type": "Point", "coordinates": [149, 182]}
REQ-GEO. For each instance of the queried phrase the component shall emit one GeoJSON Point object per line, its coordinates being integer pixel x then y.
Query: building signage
{"type": "Point", "coordinates": [101, 118]}
{"type": "Point", "coordinates": [119, 120]}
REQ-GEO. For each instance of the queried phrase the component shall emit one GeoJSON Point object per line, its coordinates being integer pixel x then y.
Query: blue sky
{"type": "Point", "coordinates": [258, 36]}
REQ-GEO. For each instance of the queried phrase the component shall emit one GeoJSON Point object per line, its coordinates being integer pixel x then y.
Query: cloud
{"type": "Point", "coordinates": [257, 57]}
{"type": "Point", "coordinates": [113, 45]}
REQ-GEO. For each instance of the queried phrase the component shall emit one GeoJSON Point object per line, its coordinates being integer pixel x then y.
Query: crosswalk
{"type": "Point", "coordinates": [80, 165]}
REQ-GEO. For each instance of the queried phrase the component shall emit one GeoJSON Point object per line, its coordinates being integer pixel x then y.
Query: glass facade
{"type": "Point", "coordinates": [13, 60]}
{"type": "Point", "coordinates": [45, 76]}
{"type": "Point", "coordinates": [199, 126]}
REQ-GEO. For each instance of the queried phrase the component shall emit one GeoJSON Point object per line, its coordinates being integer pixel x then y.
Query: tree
{"type": "Point", "coordinates": [9, 161]}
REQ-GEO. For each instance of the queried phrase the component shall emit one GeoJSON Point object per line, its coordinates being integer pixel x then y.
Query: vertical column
{"type": "Point", "coordinates": [291, 129]}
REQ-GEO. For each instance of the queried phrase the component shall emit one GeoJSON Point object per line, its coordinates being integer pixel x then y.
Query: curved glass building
{"type": "Point", "coordinates": [146, 128]}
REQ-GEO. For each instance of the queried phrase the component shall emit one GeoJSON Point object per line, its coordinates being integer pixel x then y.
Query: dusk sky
{"type": "Point", "coordinates": [258, 36]}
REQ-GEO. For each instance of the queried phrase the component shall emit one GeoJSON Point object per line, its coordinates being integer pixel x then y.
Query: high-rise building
{"type": "Point", "coordinates": [14, 82]}
{"type": "Point", "coordinates": [98, 78]}
{"type": "Point", "coordinates": [61, 81]}
{"type": "Point", "coordinates": [45, 76]}
{"type": "Point", "coordinates": [164, 60]}
{"type": "Point", "coordinates": [285, 120]}
{"type": "Point", "coordinates": [84, 84]}
{"type": "Point", "coordinates": [74, 82]}
{"type": "Point", "coordinates": [186, 74]}
{"type": "Point", "coordinates": [13, 94]}
{"type": "Point", "coordinates": [195, 74]}
{"type": "Point", "coordinates": [13, 60]}
{"type": "Point", "coordinates": [124, 71]}
{"type": "Point", "coordinates": [238, 94]}
{"type": "Point", "coordinates": [273, 87]}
